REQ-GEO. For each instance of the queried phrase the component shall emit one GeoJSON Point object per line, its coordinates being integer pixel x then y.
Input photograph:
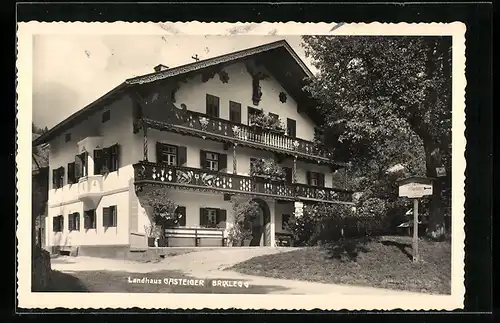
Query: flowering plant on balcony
{"type": "Point", "coordinates": [267, 122]}
{"type": "Point", "coordinates": [267, 168]}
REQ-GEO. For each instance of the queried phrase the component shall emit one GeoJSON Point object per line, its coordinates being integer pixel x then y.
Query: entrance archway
{"type": "Point", "coordinates": [261, 226]}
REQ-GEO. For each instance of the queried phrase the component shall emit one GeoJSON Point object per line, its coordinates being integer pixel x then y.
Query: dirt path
{"type": "Point", "coordinates": [210, 264]}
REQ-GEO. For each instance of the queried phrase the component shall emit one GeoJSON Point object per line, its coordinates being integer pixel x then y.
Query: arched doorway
{"type": "Point", "coordinates": [261, 225]}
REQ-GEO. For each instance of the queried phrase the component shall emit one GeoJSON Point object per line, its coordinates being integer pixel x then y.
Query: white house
{"type": "Point", "coordinates": [188, 129]}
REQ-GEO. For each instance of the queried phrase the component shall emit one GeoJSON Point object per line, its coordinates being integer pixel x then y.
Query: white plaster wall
{"type": "Point", "coordinates": [118, 235]}
{"type": "Point", "coordinates": [116, 130]}
{"type": "Point", "coordinates": [239, 89]}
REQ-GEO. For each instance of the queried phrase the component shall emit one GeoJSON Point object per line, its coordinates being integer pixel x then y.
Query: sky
{"type": "Point", "coordinates": [71, 71]}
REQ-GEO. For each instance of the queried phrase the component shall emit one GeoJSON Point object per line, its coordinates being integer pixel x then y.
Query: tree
{"type": "Point", "coordinates": [162, 206]}
{"type": "Point", "coordinates": [378, 93]}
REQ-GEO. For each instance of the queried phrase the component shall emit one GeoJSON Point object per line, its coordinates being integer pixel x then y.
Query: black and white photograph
{"type": "Point", "coordinates": [243, 159]}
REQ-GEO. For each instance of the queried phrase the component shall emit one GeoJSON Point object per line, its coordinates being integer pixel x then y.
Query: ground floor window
{"type": "Point", "coordinates": [285, 218]}
{"type": "Point", "coordinates": [89, 221]}
{"type": "Point", "coordinates": [109, 216]}
{"type": "Point", "coordinates": [74, 222]}
{"type": "Point", "coordinates": [58, 223]}
{"type": "Point", "coordinates": [213, 218]}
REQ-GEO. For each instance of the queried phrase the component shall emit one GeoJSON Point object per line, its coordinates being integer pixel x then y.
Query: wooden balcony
{"type": "Point", "coordinates": [147, 173]}
{"type": "Point", "coordinates": [201, 125]}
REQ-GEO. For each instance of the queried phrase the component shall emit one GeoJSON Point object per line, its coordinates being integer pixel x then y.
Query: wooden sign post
{"type": "Point", "coordinates": [415, 188]}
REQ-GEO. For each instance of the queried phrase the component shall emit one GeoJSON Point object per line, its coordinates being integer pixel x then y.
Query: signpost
{"type": "Point", "coordinates": [415, 188]}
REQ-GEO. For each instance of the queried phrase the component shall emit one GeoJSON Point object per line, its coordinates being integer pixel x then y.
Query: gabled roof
{"type": "Point", "coordinates": [276, 56]}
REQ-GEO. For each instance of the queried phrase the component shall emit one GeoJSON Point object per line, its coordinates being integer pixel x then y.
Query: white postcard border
{"type": "Point", "coordinates": [50, 300]}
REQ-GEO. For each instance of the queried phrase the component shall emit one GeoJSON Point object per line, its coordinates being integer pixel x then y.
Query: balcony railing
{"type": "Point", "coordinates": [195, 178]}
{"type": "Point", "coordinates": [190, 121]}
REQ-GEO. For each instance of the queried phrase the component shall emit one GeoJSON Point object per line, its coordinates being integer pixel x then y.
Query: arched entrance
{"type": "Point", "coordinates": [261, 225]}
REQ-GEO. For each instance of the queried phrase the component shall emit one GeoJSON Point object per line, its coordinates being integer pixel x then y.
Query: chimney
{"type": "Point", "coordinates": [160, 68]}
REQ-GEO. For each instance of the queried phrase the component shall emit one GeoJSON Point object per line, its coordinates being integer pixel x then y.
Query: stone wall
{"type": "Point", "coordinates": [41, 270]}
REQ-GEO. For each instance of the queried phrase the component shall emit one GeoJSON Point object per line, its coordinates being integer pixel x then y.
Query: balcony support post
{"type": "Point", "coordinates": [294, 170]}
{"type": "Point", "coordinates": [234, 159]}
{"type": "Point", "coordinates": [145, 141]}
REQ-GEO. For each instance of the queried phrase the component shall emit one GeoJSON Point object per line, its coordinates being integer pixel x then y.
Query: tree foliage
{"type": "Point", "coordinates": [162, 206]}
{"type": "Point", "coordinates": [387, 101]}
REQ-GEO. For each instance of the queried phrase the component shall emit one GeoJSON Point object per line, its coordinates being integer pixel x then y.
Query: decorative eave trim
{"type": "Point", "coordinates": [152, 77]}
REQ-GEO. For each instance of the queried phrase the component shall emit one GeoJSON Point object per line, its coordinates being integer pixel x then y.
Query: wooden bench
{"type": "Point", "coordinates": [195, 237]}
{"type": "Point", "coordinates": [283, 239]}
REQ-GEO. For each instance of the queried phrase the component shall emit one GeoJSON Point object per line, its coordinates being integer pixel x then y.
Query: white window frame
{"type": "Point", "coordinates": [212, 160]}
{"type": "Point", "coordinates": [170, 154]}
{"type": "Point", "coordinates": [314, 179]}
{"type": "Point", "coordinates": [209, 214]}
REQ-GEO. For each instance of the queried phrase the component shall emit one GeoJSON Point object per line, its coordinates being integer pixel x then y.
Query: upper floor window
{"type": "Point", "coordinates": [213, 104]}
{"type": "Point", "coordinates": [316, 179]}
{"type": "Point", "coordinates": [291, 126]}
{"type": "Point", "coordinates": [252, 112]}
{"type": "Point", "coordinates": [106, 115]}
{"type": "Point", "coordinates": [170, 154]}
{"type": "Point", "coordinates": [58, 177]}
{"type": "Point", "coordinates": [235, 112]}
{"type": "Point", "coordinates": [106, 160]}
{"type": "Point", "coordinates": [212, 161]}
{"type": "Point", "coordinates": [67, 137]}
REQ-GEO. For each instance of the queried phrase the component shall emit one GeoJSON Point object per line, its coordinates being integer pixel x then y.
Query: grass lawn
{"type": "Point", "coordinates": [118, 282]}
{"type": "Point", "coordinates": [383, 262]}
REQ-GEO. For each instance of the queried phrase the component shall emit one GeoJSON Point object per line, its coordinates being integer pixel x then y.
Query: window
{"type": "Point", "coordinates": [213, 105]}
{"type": "Point", "coordinates": [285, 218]}
{"type": "Point", "coordinates": [212, 217]}
{"type": "Point", "coordinates": [316, 179]}
{"type": "Point", "coordinates": [274, 115]}
{"type": "Point", "coordinates": [74, 222]}
{"type": "Point", "coordinates": [106, 115]}
{"type": "Point", "coordinates": [89, 219]}
{"type": "Point", "coordinates": [58, 177]}
{"type": "Point", "coordinates": [291, 127]}
{"type": "Point", "coordinates": [213, 161]}
{"type": "Point", "coordinates": [81, 167]}
{"type": "Point", "coordinates": [235, 112]}
{"type": "Point", "coordinates": [109, 216]}
{"type": "Point", "coordinates": [180, 213]}
{"type": "Point", "coordinates": [168, 155]}
{"type": "Point", "coordinates": [71, 173]}
{"type": "Point", "coordinates": [58, 223]}
{"type": "Point", "coordinates": [107, 160]}
{"type": "Point", "coordinates": [251, 113]}
{"type": "Point", "coordinates": [67, 137]}
{"type": "Point", "coordinates": [288, 175]}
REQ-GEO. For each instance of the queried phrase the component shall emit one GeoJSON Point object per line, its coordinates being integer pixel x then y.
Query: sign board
{"type": "Point", "coordinates": [415, 187]}
{"type": "Point", "coordinates": [440, 171]}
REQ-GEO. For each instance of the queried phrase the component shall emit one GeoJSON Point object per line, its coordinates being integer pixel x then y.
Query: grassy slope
{"type": "Point", "coordinates": [384, 262]}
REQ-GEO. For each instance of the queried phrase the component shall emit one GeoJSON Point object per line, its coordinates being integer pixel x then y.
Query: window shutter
{"type": "Point", "coordinates": [202, 217]}
{"type": "Point", "coordinates": [203, 159]}
{"type": "Point", "coordinates": [98, 161]}
{"type": "Point", "coordinates": [291, 127]}
{"type": "Point", "coordinates": [61, 176]}
{"type": "Point", "coordinates": [86, 220]}
{"type": "Point", "coordinates": [114, 216]}
{"type": "Point", "coordinates": [115, 152]}
{"type": "Point", "coordinates": [77, 221]}
{"type": "Point", "coordinates": [159, 152]}
{"type": "Point", "coordinates": [308, 177]}
{"type": "Point", "coordinates": [235, 112]}
{"type": "Point", "coordinates": [221, 216]}
{"type": "Point", "coordinates": [105, 216]}
{"type": "Point", "coordinates": [181, 211]}
{"type": "Point", "coordinates": [55, 224]}
{"type": "Point", "coordinates": [61, 223]}
{"type": "Point", "coordinates": [78, 167]}
{"type": "Point", "coordinates": [71, 173]}
{"type": "Point", "coordinates": [70, 221]}
{"type": "Point", "coordinates": [54, 178]}
{"type": "Point", "coordinates": [106, 152]}
{"type": "Point", "coordinates": [321, 178]}
{"type": "Point", "coordinates": [181, 156]}
{"type": "Point", "coordinates": [222, 161]}
{"type": "Point", "coordinates": [288, 174]}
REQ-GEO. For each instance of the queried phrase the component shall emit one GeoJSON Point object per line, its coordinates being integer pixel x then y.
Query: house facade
{"type": "Point", "coordinates": [192, 132]}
